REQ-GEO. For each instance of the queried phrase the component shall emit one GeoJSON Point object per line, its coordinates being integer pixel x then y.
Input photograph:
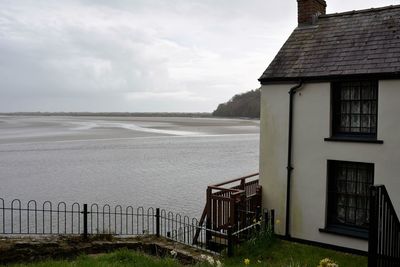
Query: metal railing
{"type": "Point", "coordinates": [48, 218]}
{"type": "Point", "coordinates": [384, 232]}
{"type": "Point", "coordinates": [32, 218]}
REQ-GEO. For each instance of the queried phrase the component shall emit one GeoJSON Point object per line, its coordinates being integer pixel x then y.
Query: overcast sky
{"type": "Point", "coordinates": [140, 55]}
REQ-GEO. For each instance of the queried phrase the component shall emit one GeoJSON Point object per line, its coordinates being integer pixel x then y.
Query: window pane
{"type": "Point", "coordinates": [341, 188]}
{"type": "Point", "coordinates": [366, 107]}
{"type": "Point", "coordinates": [367, 92]}
{"type": "Point", "coordinates": [352, 202]}
{"type": "Point", "coordinates": [351, 215]}
{"type": "Point", "coordinates": [363, 189]}
{"type": "Point", "coordinates": [355, 107]}
{"type": "Point", "coordinates": [345, 122]}
{"type": "Point", "coordinates": [341, 214]}
{"type": "Point", "coordinates": [361, 217]}
{"type": "Point", "coordinates": [365, 121]}
{"type": "Point", "coordinates": [374, 93]}
{"type": "Point", "coordinates": [370, 177]}
{"type": "Point", "coordinates": [346, 107]}
{"type": "Point", "coordinates": [373, 121]}
{"type": "Point", "coordinates": [345, 94]}
{"type": "Point", "coordinates": [342, 200]}
{"type": "Point", "coordinates": [362, 203]}
{"type": "Point", "coordinates": [342, 174]}
{"type": "Point", "coordinates": [351, 188]}
{"type": "Point", "coordinates": [355, 122]}
{"type": "Point", "coordinates": [373, 107]}
{"type": "Point", "coordinates": [351, 173]}
{"type": "Point", "coordinates": [355, 93]}
{"type": "Point", "coordinates": [362, 175]}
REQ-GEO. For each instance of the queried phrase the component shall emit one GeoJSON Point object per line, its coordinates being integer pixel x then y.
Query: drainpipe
{"type": "Point", "coordinates": [289, 167]}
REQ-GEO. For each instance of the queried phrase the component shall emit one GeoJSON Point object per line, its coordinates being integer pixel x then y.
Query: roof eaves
{"type": "Point", "coordinates": [329, 78]}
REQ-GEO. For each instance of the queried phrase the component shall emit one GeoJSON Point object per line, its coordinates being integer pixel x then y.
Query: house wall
{"type": "Point", "coordinates": [310, 154]}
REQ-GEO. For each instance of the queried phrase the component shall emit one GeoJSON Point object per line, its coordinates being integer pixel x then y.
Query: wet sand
{"type": "Point", "coordinates": [23, 129]}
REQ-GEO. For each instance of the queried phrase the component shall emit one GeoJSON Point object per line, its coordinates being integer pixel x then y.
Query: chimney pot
{"type": "Point", "coordinates": [308, 10]}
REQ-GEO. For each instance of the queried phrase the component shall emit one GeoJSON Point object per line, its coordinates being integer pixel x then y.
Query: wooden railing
{"type": "Point", "coordinates": [384, 231]}
{"type": "Point", "coordinates": [233, 204]}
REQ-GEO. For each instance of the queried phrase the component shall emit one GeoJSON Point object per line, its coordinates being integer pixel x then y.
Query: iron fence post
{"type": "Point", "coordinates": [158, 222]}
{"type": "Point", "coordinates": [230, 241]}
{"type": "Point", "coordinates": [266, 219]}
{"type": "Point", "coordinates": [85, 221]}
{"type": "Point", "coordinates": [373, 228]}
{"type": "Point", "coordinates": [235, 216]}
{"type": "Point", "coordinates": [273, 221]}
{"type": "Point", "coordinates": [258, 217]}
{"type": "Point", "coordinates": [242, 207]}
{"type": "Point", "coordinates": [208, 218]}
{"type": "Point", "coordinates": [259, 198]}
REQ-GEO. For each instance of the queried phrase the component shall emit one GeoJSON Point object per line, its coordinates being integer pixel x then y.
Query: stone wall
{"type": "Point", "coordinates": [41, 248]}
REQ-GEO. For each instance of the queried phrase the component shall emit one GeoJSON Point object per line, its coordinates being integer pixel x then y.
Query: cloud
{"type": "Point", "coordinates": [136, 55]}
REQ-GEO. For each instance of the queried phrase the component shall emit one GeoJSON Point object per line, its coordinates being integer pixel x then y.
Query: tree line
{"type": "Point", "coordinates": [241, 105]}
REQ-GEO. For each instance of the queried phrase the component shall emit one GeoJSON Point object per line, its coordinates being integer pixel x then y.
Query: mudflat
{"type": "Point", "coordinates": [21, 129]}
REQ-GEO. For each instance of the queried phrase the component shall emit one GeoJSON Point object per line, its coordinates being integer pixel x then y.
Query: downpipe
{"type": "Point", "coordinates": [289, 167]}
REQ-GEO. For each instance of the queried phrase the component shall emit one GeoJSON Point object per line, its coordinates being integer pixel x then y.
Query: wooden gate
{"type": "Point", "coordinates": [233, 204]}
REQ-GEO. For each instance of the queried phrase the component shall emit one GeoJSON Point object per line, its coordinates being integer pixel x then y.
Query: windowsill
{"type": "Point", "coordinates": [346, 231]}
{"type": "Point", "coordinates": [353, 139]}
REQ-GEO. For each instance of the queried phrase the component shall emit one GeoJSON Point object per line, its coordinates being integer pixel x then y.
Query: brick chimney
{"type": "Point", "coordinates": [308, 10]}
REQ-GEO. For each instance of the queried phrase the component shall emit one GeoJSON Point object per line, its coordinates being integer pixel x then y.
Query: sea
{"type": "Point", "coordinates": [139, 161]}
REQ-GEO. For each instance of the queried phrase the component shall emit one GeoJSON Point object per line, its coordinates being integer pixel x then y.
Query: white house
{"type": "Point", "coordinates": [330, 123]}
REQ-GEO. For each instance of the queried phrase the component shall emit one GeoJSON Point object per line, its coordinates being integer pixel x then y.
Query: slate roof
{"type": "Point", "coordinates": [364, 42]}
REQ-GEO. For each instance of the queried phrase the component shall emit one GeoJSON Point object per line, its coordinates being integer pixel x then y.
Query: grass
{"type": "Point", "coordinates": [119, 258]}
{"type": "Point", "coordinates": [288, 254]}
{"type": "Point", "coordinates": [262, 250]}
{"type": "Point", "coordinates": [265, 250]}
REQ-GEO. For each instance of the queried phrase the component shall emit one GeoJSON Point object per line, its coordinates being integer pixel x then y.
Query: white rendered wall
{"type": "Point", "coordinates": [311, 124]}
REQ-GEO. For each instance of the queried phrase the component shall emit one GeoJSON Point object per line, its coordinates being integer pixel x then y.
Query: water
{"type": "Point", "coordinates": [159, 162]}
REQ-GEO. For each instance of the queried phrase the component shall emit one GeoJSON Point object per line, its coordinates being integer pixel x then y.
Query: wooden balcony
{"type": "Point", "coordinates": [232, 204]}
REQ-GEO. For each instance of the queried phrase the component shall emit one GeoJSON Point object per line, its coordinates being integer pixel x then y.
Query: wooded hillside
{"type": "Point", "coordinates": [241, 105]}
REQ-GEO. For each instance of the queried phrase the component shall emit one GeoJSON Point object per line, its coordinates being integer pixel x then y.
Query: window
{"type": "Point", "coordinates": [348, 193]}
{"type": "Point", "coordinates": [354, 106]}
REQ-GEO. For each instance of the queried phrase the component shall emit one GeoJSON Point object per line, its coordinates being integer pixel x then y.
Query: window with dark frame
{"type": "Point", "coordinates": [348, 193]}
{"type": "Point", "coordinates": [354, 109]}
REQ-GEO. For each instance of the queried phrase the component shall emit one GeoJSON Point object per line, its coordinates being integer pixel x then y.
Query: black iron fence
{"type": "Point", "coordinates": [47, 218]}
{"type": "Point", "coordinates": [384, 233]}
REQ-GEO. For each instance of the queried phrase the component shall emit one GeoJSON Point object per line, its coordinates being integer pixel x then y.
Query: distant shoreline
{"type": "Point", "coordinates": [126, 114]}
{"type": "Point", "coordinates": [113, 114]}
